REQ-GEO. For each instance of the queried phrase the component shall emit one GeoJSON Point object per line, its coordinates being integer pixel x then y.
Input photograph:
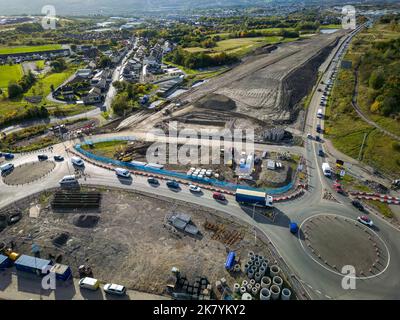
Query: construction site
{"type": "Point", "coordinates": [136, 239]}
{"type": "Point", "coordinates": [259, 169]}
{"type": "Point", "coordinates": [264, 91]}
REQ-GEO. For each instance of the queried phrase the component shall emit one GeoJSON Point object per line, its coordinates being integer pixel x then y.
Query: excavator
{"type": "Point", "coordinates": [9, 252]}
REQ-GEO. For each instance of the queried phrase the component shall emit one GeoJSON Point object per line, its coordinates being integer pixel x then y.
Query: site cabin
{"type": "Point", "coordinates": [253, 197]}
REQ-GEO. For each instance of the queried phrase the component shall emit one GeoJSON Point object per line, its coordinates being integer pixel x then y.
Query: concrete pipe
{"type": "Point", "coordinates": [265, 264]}
{"type": "Point", "coordinates": [254, 291]}
{"type": "Point", "coordinates": [244, 283]}
{"type": "Point", "coordinates": [254, 268]}
{"type": "Point", "coordinates": [249, 287]}
{"type": "Point", "coordinates": [236, 268]}
{"type": "Point", "coordinates": [250, 273]}
{"type": "Point", "coordinates": [236, 287]}
{"type": "Point", "coordinates": [286, 293]}
{"type": "Point", "coordinates": [274, 270]}
{"type": "Point", "coordinates": [265, 294]}
{"type": "Point", "coordinates": [258, 286]}
{"type": "Point", "coordinates": [277, 280]}
{"type": "Point", "coordinates": [243, 290]}
{"type": "Point", "coordinates": [266, 282]}
{"type": "Point", "coordinates": [246, 267]}
{"type": "Point", "coordinates": [256, 256]}
{"type": "Point", "coordinates": [257, 276]}
{"type": "Point", "coordinates": [253, 258]}
{"type": "Point", "coordinates": [261, 258]}
{"type": "Point", "coordinates": [262, 271]}
{"type": "Point", "coordinates": [250, 254]}
{"type": "Point", "coordinates": [252, 282]}
{"type": "Point", "coordinates": [275, 292]}
{"type": "Point", "coordinates": [257, 263]}
{"type": "Point", "coordinates": [246, 296]}
{"type": "Point", "coordinates": [250, 263]}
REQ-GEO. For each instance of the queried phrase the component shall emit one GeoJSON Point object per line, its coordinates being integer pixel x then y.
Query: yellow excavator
{"type": "Point", "coordinates": [10, 253]}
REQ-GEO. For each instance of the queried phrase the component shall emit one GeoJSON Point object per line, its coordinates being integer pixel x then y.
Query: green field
{"type": "Point", "coordinates": [238, 46]}
{"type": "Point", "coordinates": [106, 149]}
{"type": "Point", "coordinates": [26, 49]}
{"type": "Point", "coordinates": [10, 73]}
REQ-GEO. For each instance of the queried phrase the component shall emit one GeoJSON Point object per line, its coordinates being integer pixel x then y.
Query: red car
{"type": "Point", "coordinates": [338, 188]}
{"type": "Point", "coordinates": [219, 196]}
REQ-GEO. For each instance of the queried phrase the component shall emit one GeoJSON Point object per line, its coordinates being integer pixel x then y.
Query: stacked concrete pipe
{"type": "Point", "coordinates": [274, 270]}
{"type": "Point", "coordinates": [286, 294]}
{"type": "Point", "coordinates": [265, 294]}
{"type": "Point", "coordinates": [277, 280]}
{"type": "Point", "coordinates": [265, 282]}
{"type": "Point", "coordinates": [236, 287]}
{"type": "Point", "coordinates": [275, 292]}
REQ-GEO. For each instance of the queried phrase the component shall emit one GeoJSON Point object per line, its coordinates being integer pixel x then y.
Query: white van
{"type": "Point", "coordinates": [68, 180]}
{"type": "Point", "coordinates": [89, 283]}
{"type": "Point", "coordinates": [6, 167]}
{"type": "Point", "coordinates": [122, 173]}
{"type": "Point", "coordinates": [77, 161]}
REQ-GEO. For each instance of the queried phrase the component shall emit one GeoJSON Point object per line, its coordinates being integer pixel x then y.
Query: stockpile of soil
{"type": "Point", "coordinates": [86, 220]}
{"type": "Point", "coordinates": [216, 102]}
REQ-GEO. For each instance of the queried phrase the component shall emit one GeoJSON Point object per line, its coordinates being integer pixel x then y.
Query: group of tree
{"type": "Point", "coordinates": [197, 60]}
{"type": "Point", "coordinates": [16, 89]}
{"type": "Point", "coordinates": [59, 65]}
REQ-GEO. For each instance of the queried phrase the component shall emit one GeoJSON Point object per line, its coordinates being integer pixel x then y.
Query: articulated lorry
{"type": "Point", "coordinates": [252, 197]}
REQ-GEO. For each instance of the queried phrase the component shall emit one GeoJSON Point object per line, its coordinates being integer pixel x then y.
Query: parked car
{"type": "Point", "coordinates": [42, 157]}
{"type": "Point", "coordinates": [124, 173]}
{"type": "Point", "coordinates": [317, 138]}
{"type": "Point", "coordinates": [89, 283]}
{"type": "Point", "coordinates": [219, 196]}
{"type": "Point", "coordinates": [7, 167]}
{"type": "Point", "coordinates": [8, 156]}
{"type": "Point", "coordinates": [365, 220]}
{"type": "Point", "coordinates": [113, 288]}
{"type": "Point", "coordinates": [321, 153]}
{"type": "Point", "coordinates": [194, 188]}
{"type": "Point", "coordinates": [319, 129]}
{"type": "Point", "coordinates": [77, 161]}
{"type": "Point", "coordinates": [172, 184]}
{"type": "Point", "coordinates": [338, 187]}
{"type": "Point", "coordinates": [358, 205]}
{"type": "Point", "coordinates": [152, 180]}
{"type": "Point", "coordinates": [58, 158]}
{"type": "Point", "coordinates": [309, 136]}
{"type": "Point", "coordinates": [68, 180]}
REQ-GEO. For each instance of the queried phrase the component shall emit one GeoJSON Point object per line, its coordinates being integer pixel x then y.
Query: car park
{"type": "Point", "coordinates": [112, 288]}
{"type": "Point", "coordinates": [365, 220]}
{"type": "Point", "coordinates": [42, 157]}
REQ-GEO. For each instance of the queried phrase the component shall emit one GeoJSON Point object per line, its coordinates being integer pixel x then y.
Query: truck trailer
{"type": "Point", "coordinates": [253, 197]}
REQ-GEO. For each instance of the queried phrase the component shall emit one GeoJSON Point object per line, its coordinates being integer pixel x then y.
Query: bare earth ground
{"type": "Point", "coordinates": [29, 172]}
{"type": "Point", "coordinates": [130, 244]}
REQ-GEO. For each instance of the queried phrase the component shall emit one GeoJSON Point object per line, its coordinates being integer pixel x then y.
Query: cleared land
{"type": "Point", "coordinates": [266, 89]}
{"type": "Point", "coordinates": [25, 49]}
{"type": "Point", "coordinates": [129, 242]}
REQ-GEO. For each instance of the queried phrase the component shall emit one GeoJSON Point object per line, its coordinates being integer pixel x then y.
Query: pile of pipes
{"type": "Point", "coordinates": [264, 280]}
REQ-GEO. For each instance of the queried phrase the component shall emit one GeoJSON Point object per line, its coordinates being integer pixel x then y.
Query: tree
{"type": "Point", "coordinates": [377, 79]}
{"type": "Point", "coordinates": [58, 65]}
{"type": "Point", "coordinates": [104, 62]}
{"type": "Point", "coordinates": [120, 105]}
{"type": "Point", "coordinates": [14, 90]}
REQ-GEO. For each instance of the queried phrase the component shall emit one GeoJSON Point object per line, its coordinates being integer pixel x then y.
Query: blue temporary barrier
{"type": "Point", "coordinates": [230, 260]}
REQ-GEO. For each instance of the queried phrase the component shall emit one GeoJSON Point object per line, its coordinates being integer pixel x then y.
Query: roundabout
{"type": "Point", "coordinates": [335, 241]}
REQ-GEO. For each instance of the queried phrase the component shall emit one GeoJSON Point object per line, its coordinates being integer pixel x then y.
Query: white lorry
{"type": "Point", "coordinates": [326, 169]}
